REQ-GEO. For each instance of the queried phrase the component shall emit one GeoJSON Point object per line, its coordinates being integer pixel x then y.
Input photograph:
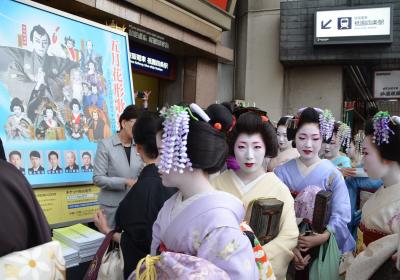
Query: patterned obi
{"type": "Point", "coordinates": [370, 235]}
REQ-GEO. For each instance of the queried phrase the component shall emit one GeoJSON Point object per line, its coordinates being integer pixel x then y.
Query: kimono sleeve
{"type": "Point", "coordinates": [341, 214]}
{"type": "Point", "coordinates": [231, 251]}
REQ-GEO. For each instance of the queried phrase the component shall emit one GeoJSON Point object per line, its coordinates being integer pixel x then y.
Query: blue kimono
{"type": "Point", "coordinates": [321, 175]}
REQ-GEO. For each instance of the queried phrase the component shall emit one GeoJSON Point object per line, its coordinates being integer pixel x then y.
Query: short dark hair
{"type": "Point", "coordinates": [17, 153]}
{"type": "Point", "coordinates": [39, 30]}
{"type": "Point", "coordinates": [34, 154]}
{"type": "Point", "coordinates": [86, 154]}
{"type": "Point", "coordinates": [16, 102]}
{"type": "Point", "coordinates": [52, 153]}
{"type": "Point", "coordinates": [391, 150]}
{"type": "Point", "coordinates": [130, 112]}
{"type": "Point", "coordinates": [144, 133]}
{"type": "Point", "coordinates": [74, 101]}
{"type": "Point", "coordinates": [252, 123]}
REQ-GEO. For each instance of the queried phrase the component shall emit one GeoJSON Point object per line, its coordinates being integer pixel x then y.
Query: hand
{"type": "Point", "coordinates": [307, 242]}
{"type": "Point", "coordinates": [100, 220]}
{"type": "Point", "coordinates": [348, 171]}
{"type": "Point", "coordinates": [299, 262]}
{"type": "Point", "coordinates": [146, 95]}
{"type": "Point", "coordinates": [130, 182]}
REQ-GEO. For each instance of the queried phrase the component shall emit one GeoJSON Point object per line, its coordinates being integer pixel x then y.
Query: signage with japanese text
{"type": "Point", "coordinates": [68, 204]}
{"type": "Point", "coordinates": [387, 84]}
{"type": "Point", "coordinates": [153, 63]}
{"type": "Point", "coordinates": [353, 26]}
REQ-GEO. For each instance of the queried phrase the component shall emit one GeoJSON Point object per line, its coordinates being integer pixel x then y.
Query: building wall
{"type": "Point", "coordinates": [314, 86]}
{"type": "Point", "coordinates": [259, 74]}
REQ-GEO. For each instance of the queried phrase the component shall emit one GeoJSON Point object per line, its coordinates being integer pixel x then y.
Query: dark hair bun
{"type": "Point", "coordinates": [207, 147]}
{"type": "Point", "coordinates": [252, 123]}
{"type": "Point", "coordinates": [218, 113]}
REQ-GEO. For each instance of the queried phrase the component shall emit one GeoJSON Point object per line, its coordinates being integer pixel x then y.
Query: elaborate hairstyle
{"type": "Point", "coordinates": [130, 112]}
{"type": "Point", "coordinates": [323, 118]}
{"type": "Point", "coordinates": [289, 122]}
{"type": "Point", "coordinates": [74, 101]}
{"type": "Point", "coordinates": [220, 117]}
{"type": "Point", "coordinates": [343, 134]}
{"type": "Point", "coordinates": [145, 131]}
{"type": "Point", "coordinates": [17, 153]}
{"type": "Point", "coordinates": [52, 153]}
{"type": "Point", "coordinates": [34, 154]}
{"type": "Point", "coordinates": [385, 133]}
{"type": "Point", "coordinates": [39, 30]}
{"type": "Point", "coordinates": [191, 142]}
{"type": "Point", "coordinates": [252, 123]}
{"type": "Point", "coordinates": [16, 102]}
{"type": "Point", "coordinates": [86, 154]}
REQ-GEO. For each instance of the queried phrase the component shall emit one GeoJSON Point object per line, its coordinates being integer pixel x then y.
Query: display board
{"type": "Point", "coordinates": [63, 205]}
{"type": "Point", "coordinates": [64, 81]}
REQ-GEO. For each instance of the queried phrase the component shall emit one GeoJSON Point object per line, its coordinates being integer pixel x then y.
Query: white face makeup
{"type": "Point", "coordinates": [373, 162]}
{"type": "Point", "coordinates": [281, 134]}
{"type": "Point", "coordinates": [308, 141]}
{"type": "Point", "coordinates": [249, 152]}
{"type": "Point", "coordinates": [331, 150]}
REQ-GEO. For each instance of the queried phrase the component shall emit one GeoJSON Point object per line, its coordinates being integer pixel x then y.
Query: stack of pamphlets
{"type": "Point", "coordinates": [81, 238]}
{"type": "Point", "coordinates": [71, 255]}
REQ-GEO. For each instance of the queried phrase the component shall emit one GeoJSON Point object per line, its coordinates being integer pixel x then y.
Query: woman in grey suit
{"type": "Point", "coordinates": [117, 166]}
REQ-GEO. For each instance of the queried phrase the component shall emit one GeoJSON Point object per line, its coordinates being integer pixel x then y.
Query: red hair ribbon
{"type": "Point", "coordinates": [233, 123]}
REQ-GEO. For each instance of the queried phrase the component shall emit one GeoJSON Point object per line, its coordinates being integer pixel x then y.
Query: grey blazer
{"type": "Point", "coordinates": [111, 168]}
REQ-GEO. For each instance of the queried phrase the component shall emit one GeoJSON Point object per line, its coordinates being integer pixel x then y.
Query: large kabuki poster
{"type": "Point", "coordinates": [64, 82]}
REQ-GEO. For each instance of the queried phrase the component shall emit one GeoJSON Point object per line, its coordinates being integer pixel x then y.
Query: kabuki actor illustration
{"type": "Point", "coordinates": [64, 82]}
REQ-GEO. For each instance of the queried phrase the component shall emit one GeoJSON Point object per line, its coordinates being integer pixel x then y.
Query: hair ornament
{"type": "Point", "coordinates": [326, 124]}
{"type": "Point", "coordinates": [174, 139]}
{"type": "Point", "coordinates": [358, 140]}
{"type": "Point", "coordinates": [396, 119]}
{"type": "Point", "coordinates": [343, 135]}
{"type": "Point", "coordinates": [381, 127]}
{"type": "Point", "coordinates": [264, 118]}
{"type": "Point", "coordinates": [218, 126]}
{"type": "Point", "coordinates": [196, 109]}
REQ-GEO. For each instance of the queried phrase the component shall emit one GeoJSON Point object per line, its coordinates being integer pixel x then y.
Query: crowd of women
{"type": "Point", "coordinates": [179, 190]}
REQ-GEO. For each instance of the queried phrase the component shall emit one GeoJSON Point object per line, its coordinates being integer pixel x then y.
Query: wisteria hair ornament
{"type": "Point", "coordinates": [343, 135]}
{"type": "Point", "coordinates": [174, 139]}
{"type": "Point", "coordinates": [326, 124]}
{"type": "Point", "coordinates": [358, 140]}
{"type": "Point", "coordinates": [382, 130]}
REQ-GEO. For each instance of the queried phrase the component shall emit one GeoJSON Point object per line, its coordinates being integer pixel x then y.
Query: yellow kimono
{"type": "Point", "coordinates": [268, 185]}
